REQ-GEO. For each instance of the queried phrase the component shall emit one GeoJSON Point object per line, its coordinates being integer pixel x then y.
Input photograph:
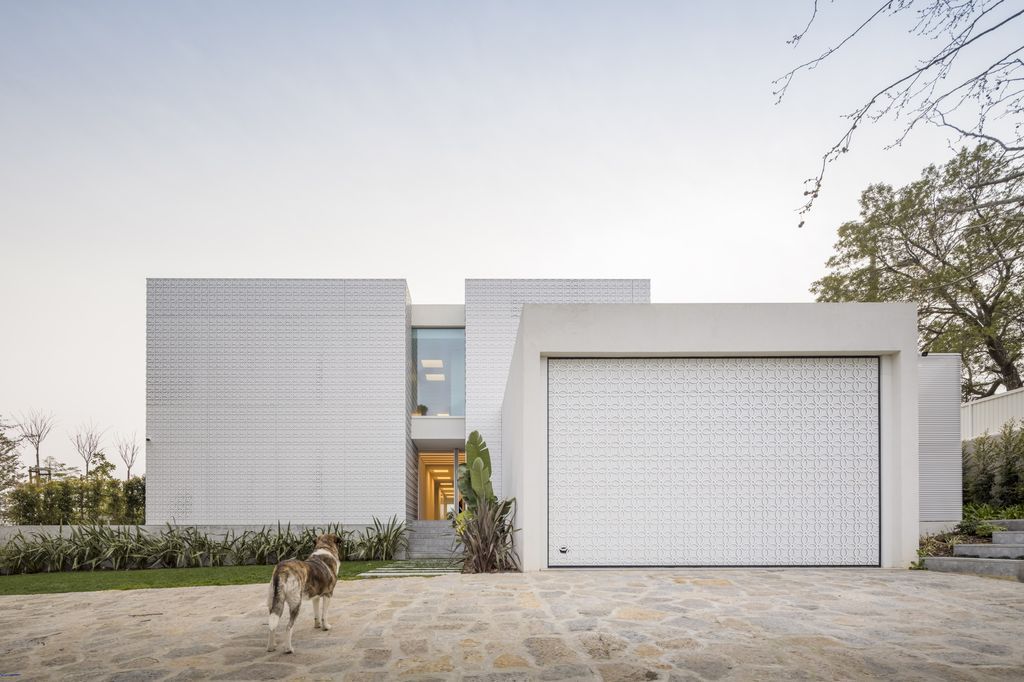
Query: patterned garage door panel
{"type": "Point", "coordinates": [713, 461]}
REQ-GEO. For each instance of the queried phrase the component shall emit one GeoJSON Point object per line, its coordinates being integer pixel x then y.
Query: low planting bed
{"type": "Point", "coordinates": [976, 528]}
{"type": "Point", "coordinates": [99, 547]}
{"type": "Point", "coordinates": [91, 581]}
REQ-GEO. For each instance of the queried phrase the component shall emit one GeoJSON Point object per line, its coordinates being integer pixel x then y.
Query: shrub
{"type": "Point", "coordinates": [988, 512]}
{"type": "Point", "coordinates": [486, 538]}
{"type": "Point", "coordinates": [994, 468]}
{"type": "Point", "coordinates": [382, 541]}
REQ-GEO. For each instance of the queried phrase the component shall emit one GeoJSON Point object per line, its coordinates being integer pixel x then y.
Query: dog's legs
{"type": "Point", "coordinates": [325, 601]}
{"type": "Point", "coordinates": [316, 612]}
{"type": "Point", "coordinates": [293, 613]}
{"type": "Point", "coordinates": [271, 644]}
{"type": "Point", "coordinates": [275, 604]}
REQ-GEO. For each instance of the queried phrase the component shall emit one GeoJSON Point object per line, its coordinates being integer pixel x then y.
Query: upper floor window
{"type": "Point", "coordinates": [440, 356]}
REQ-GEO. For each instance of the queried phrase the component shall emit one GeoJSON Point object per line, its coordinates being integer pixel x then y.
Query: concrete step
{"type": "Point", "coordinates": [439, 554]}
{"type": "Point", "coordinates": [1008, 537]}
{"type": "Point", "coordinates": [435, 549]}
{"type": "Point", "coordinates": [992, 551]}
{"type": "Point", "coordinates": [1009, 524]}
{"type": "Point", "coordinates": [1009, 569]}
{"type": "Point", "coordinates": [431, 536]}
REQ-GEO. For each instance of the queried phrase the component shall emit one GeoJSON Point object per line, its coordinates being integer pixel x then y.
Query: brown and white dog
{"type": "Point", "coordinates": [294, 579]}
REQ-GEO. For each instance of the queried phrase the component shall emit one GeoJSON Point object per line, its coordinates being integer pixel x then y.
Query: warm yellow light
{"type": "Point", "coordinates": [434, 376]}
{"type": "Point", "coordinates": [441, 414]}
{"type": "Point", "coordinates": [432, 364]}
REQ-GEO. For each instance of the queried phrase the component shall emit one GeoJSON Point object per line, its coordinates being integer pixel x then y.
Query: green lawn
{"type": "Point", "coordinates": [90, 581]}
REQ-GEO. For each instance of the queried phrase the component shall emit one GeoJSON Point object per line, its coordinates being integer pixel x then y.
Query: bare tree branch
{"type": "Point", "coordinates": [87, 443]}
{"type": "Point", "coordinates": [989, 95]}
{"type": "Point", "coordinates": [128, 450]}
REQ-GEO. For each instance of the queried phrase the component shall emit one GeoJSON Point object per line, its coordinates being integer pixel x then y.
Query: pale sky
{"type": "Point", "coordinates": [426, 140]}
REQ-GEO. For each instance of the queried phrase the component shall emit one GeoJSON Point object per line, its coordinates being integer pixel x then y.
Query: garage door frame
{"type": "Point", "coordinates": [547, 456]}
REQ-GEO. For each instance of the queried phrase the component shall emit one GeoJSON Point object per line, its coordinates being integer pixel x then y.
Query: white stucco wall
{"type": "Point", "coordinates": [694, 330]}
{"type": "Point", "coordinates": [276, 400]}
{"type": "Point", "coordinates": [492, 312]}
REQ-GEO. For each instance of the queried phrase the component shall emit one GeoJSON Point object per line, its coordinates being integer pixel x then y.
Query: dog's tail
{"type": "Point", "coordinates": [275, 600]}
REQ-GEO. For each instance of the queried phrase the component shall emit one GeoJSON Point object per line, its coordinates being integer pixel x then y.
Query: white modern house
{"type": "Point", "coordinates": [630, 433]}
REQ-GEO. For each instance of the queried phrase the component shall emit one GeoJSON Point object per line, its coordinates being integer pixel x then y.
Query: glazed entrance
{"type": "Point", "coordinates": [438, 491]}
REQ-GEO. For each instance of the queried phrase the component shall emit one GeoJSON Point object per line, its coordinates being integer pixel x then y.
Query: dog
{"type": "Point", "coordinates": [293, 579]}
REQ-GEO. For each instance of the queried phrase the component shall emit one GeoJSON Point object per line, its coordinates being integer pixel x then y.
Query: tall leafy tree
{"type": "Point", "coordinates": [954, 244]}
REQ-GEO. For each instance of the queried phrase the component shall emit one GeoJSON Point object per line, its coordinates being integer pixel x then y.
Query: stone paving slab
{"type": "Point", "coordinates": [734, 624]}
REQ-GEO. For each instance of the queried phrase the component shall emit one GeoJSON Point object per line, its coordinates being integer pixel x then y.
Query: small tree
{"type": "Point", "coordinates": [35, 427]}
{"type": "Point", "coordinates": [10, 466]}
{"type": "Point", "coordinates": [101, 467]}
{"type": "Point", "coordinates": [87, 443]}
{"type": "Point", "coordinates": [59, 470]}
{"type": "Point", "coordinates": [128, 449]}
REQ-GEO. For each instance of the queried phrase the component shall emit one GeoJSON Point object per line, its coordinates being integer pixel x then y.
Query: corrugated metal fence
{"type": "Point", "coordinates": [987, 415]}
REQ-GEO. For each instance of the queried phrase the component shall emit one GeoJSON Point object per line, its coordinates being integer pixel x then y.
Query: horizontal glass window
{"type": "Point", "coordinates": [440, 356]}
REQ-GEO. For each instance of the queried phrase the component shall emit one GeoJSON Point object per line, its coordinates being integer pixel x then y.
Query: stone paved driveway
{"type": "Point", "coordinates": [616, 625]}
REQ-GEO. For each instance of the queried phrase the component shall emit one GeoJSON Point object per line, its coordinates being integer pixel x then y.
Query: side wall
{"type": "Point", "coordinates": [276, 400]}
{"type": "Point", "coordinates": [493, 307]}
{"type": "Point", "coordinates": [696, 330]}
{"type": "Point", "coordinates": [412, 464]}
{"type": "Point", "coordinates": [939, 439]}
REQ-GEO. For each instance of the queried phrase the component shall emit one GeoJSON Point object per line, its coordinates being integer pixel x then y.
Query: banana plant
{"type": "Point", "coordinates": [475, 474]}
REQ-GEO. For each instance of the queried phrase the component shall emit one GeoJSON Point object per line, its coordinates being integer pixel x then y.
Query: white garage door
{"type": "Point", "coordinates": [713, 462]}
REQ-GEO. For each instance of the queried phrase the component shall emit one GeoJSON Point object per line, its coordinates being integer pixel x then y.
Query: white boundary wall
{"type": "Point", "coordinates": [887, 330]}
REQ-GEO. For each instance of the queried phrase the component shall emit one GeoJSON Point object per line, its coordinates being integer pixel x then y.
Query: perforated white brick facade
{"type": "Point", "coordinates": [276, 400]}
{"type": "Point", "coordinates": [493, 307]}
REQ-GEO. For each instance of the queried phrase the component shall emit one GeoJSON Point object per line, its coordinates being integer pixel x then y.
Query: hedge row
{"type": "Point", "coordinates": [78, 501]}
{"type": "Point", "coordinates": [994, 468]}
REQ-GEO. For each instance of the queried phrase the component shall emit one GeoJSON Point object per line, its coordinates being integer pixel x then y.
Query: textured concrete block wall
{"type": "Point", "coordinates": [941, 459]}
{"type": "Point", "coordinates": [493, 307]}
{"type": "Point", "coordinates": [276, 400]}
{"type": "Point", "coordinates": [412, 464]}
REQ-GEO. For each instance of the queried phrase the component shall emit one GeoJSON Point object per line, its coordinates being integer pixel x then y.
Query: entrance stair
{"type": "Point", "coordinates": [1003, 558]}
{"type": "Point", "coordinates": [431, 540]}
